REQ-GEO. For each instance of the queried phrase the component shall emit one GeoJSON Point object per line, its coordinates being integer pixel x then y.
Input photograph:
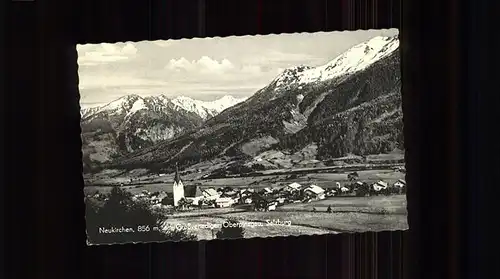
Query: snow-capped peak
{"type": "Point", "coordinates": [130, 104]}
{"type": "Point", "coordinates": [291, 75]}
{"type": "Point", "coordinates": [353, 60]}
{"type": "Point", "coordinates": [223, 103]}
{"type": "Point", "coordinates": [206, 109]}
{"type": "Point", "coordinates": [122, 104]}
{"type": "Point", "coordinates": [189, 104]}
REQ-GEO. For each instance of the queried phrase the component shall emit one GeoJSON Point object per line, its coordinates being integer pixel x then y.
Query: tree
{"type": "Point", "coordinates": [141, 224]}
{"type": "Point", "coordinates": [362, 190]}
{"type": "Point", "coordinates": [259, 203]}
{"type": "Point", "coordinates": [180, 234]}
{"type": "Point", "coordinates": [183, 202]}
{"type": "Point", "coordinates": [231, 229]}
{"type": "Point", "coordinates": [353, 176]}
{"type": "Point", "coordinates": [168, 200]}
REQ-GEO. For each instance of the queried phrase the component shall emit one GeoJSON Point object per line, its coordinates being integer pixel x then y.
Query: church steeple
{"type": "Point", "coordinates": [177, 177]}
{"type": "Point", "coordinates": [178, 187]}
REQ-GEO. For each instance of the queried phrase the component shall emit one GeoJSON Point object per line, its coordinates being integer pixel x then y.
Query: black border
{"type": "Point", "coordinates": [45, 228]}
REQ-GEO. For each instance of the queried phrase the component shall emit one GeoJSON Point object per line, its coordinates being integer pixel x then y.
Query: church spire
{"type": "Point", "coordinates": [177, 177]}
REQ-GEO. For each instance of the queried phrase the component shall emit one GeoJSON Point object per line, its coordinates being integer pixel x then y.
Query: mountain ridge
{"type": "Point", "coordinates": [351, 105]}
{"type": "Point", "coordinates": [204, 109]}
{"type": "Point", "coordinates": [133, 122]}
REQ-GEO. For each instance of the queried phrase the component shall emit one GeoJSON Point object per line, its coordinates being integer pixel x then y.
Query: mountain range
{"type": "Point", "coordinates": [349, 106]}
{"type": "Point", "coordinates": [133, 122]}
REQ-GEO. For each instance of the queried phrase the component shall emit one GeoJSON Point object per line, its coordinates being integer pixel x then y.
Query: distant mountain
{"type": "Point", "coordinates": [133, 122]}
{"type": "Point", "coordinates": [206, 109]}
{"type": "Point", "coordinates": [349, 106]}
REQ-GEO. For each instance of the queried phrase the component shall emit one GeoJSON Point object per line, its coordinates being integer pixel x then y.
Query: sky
{"type": "Point", "coordinates": [204, 68]}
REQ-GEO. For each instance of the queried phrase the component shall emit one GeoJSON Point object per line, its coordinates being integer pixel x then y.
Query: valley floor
{"type": "Point", "coordinates": [349, 214]}
{"type": "Point", "coordinates": [325, 180]}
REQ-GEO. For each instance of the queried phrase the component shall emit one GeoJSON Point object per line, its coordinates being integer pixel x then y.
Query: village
{"type": "Point", "coordinates": [184, 198]}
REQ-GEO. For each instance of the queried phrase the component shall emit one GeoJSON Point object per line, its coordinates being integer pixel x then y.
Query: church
{"type": "Point", "coordinates": [178, 188]}
{"type": "Point", "coordinates": [180, 191]}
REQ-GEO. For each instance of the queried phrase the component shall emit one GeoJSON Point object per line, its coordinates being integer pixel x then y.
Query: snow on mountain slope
{"type": "Point", "coordinates": [133, 122]}
{"type": "Point", "coordinates": [136, 106]}
{"type": "Point", "coordinates": [131, 104]}
{"type": "Point", "coordinates": [206, 109]}
{"type": "Point", "coordinates": [353, 60]}
{"type": "Point", "coordinates": [297, 79]}
{"type": "Point", "coordinates": [291, 75]}
{"type": "Point", "coordinates": [85, 112]}
{"type": "Point", "coordinates": [120, 105]}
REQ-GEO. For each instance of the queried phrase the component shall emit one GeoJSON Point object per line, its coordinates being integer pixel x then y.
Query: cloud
{"type": "Point", "coordinates": [107, 81]}
{"type": "Point", "coordinates": [90, 55]}
{"type": "Point", "coordinates": [205, 65]}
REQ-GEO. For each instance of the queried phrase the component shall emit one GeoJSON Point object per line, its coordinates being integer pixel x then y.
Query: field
{"type": "Point", "coordinates": [134, 189]}
{"type": "Point", "coordinates": [349, 214]}
{"type": "Point", "coordinates": [377, 204]}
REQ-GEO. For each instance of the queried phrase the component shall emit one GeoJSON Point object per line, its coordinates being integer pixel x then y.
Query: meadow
{"type": "Point", "coordinates": [349, 214]}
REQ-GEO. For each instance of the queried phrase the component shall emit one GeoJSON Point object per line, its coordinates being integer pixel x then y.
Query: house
{"type": "Point", "coordinates": [229, 194]}
{"type": "Point", "coordinates": [340, 188]}
{"type": "Point", "coordinates": [210, 194]}
{"type": "Point", "coordinates": [264, 203]}
{"type": "Point", "coordinates": [344, 189]}
{"type": "Point", "coordinates": [380, 185]}
{"type": "Point", "coordinates": [224, 202]}
{"type": "Point", "coordinates": [247, 200]}
{"type": "Point", "coordinates": [195, 200]}
{"type": "Point", "coordinates": [315, 192]}
{"type": "Point", "coordinates": [400, 183]}
{"type": "Point", "coordinates": [293, 187]}
{"type": "Point", "coordinates": [271, 206]}
{"type": "Point", "coordinates": [193, 194]}
{"type": "Point", "coordinates": [267, 190]}
{"type": "Point", "coordinates": [245, 193]}
{"type": "Point", "coordinates": [330, 193]}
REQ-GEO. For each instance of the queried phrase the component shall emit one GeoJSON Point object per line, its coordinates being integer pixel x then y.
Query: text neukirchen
{"type": "Point", "coordinates": [121, 229]}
